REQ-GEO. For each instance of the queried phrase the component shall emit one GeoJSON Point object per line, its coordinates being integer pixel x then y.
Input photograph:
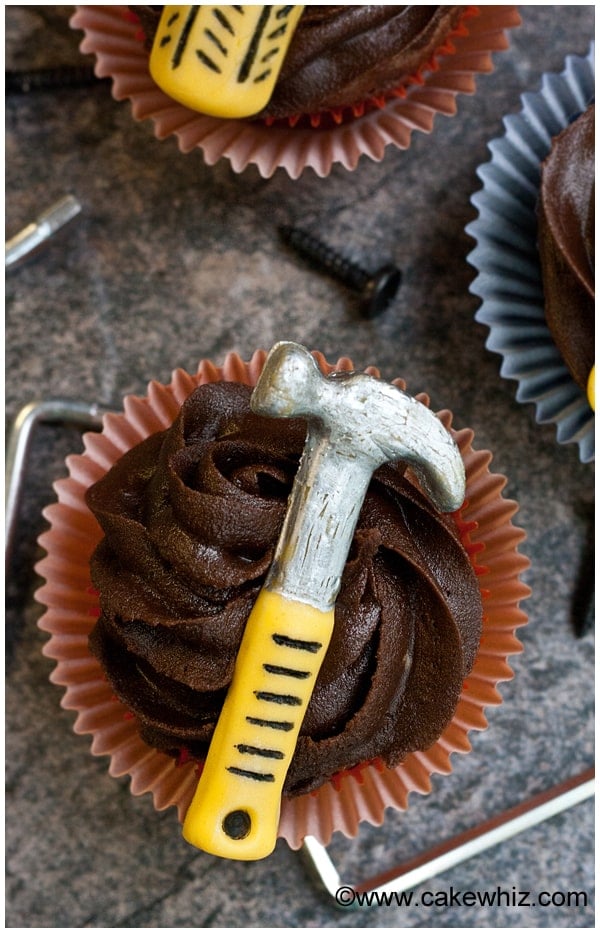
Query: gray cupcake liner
{"type": "Point", "coordinates": [506, 257]}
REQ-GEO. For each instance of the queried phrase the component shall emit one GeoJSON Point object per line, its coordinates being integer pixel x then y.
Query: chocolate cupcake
{"type": "Point", "coordinates": [566, 243]}
{"type": "Point", "coordinates": [534, 251]}
{"type": "Point", "coordinates": [177, 582]}
{"type": "Point", "coordinates": [335, 95]}
{"type": "Point", "coordinates": [191, 517]}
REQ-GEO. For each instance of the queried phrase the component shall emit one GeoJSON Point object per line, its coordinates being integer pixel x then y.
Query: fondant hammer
{"type": "Point", "coordinates": [355, 424]}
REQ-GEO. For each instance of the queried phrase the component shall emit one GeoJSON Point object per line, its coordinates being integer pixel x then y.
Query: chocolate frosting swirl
{"type": "Point", "coordinates": [191, 517]}
{"type": "Point", "coordinates": [566, 243]}
{"type": "Point", "coordinates": [343, 55]}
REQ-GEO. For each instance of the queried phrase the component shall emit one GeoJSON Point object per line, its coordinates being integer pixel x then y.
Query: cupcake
{"type": "Point", "coordinates": [566, 244]}
{"type": "Point", "coordinates": [308, 86]}
{"type": "Point", "coordinates": [534, 251]}
{"type": "Point", "coordinates": [158, 546]}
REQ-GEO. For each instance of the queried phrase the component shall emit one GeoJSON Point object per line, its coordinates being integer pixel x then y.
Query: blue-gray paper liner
{"type": "Point", "coordinates": [506, 258]}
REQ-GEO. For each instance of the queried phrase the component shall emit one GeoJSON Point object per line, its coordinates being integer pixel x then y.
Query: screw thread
{"type": "Point", "coordinates": [47, 79]}
{"type": "Point", "coordinates": [324, 257]}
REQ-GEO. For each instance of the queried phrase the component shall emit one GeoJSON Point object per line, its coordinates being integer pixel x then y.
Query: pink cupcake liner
{"type": "Point", "coordinates": [72, 608]}
{"type": "Point", "coordinates": [112, 38]}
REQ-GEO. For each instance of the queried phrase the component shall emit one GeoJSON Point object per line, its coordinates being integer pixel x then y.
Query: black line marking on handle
{"type": "Point", "coordinates": [283, 12]}
{"type": "Point", "coordinates": [277, 33]}
{"type": "Point", "coordinates": [299, 643]}
{"type": "Point", "coordinates": [261, 752]}
{"type": "Point", "coordinates": [253, 775]}
{"type": "Point", "coordinates": [168, 37]}
{"type": "Point", "coordinates": [262, 76]}
{"type": "Point", "coordinates": [184, 36]}
{"type": "Point", "coordinates": [247, 63]}
{"type": "Point", "coordinates": [207, 61]}
{"type": "Point", "coordinates": [222, 20]}
{"type": "Point", "coordinates": [270, 54]}
{"type": "Point", "coordinates": [270, 723]}
{"type": "Point", "coordinates": [284, 699]}
{"type": "Point", "coordinates": [286, 671]}
{"type": "Point", "coordinates": [216, 41]}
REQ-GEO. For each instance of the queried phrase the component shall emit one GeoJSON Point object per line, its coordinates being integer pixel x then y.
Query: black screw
{"type": "Point", "coordinates": [377, 289]}
{"type": "Point", "coordinates": [50, 79]}
{"type": "Point", "coordinates": [583, 596]}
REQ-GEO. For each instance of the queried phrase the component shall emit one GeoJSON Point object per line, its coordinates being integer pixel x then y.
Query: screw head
{"type": "Point", "coordinates": [380, 289]}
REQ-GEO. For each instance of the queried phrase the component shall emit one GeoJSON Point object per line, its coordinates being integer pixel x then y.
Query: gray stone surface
{"type": "Point", "coordinates": [172, 261]}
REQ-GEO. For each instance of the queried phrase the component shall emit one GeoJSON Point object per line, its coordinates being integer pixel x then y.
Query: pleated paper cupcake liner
{"type": "Point", "coordinates": [72, 608]}
{"type": "Point", "coordinates": [112, 38]}
{"type": "Point", "coordinates": [509, 280]}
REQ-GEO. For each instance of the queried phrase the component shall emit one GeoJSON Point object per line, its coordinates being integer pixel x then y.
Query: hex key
{"type": "Point", "coordinates": [51, 411]}
{"type": "Point", "coordinates": [459, 848]}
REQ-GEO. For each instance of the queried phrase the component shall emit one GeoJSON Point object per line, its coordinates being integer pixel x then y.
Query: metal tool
{"type": "Point", "coordinates": [51, 411]}
{"type": "Point", "coordinates": [51, 79]}
{"type": "Point", "coordinates": [446, 855]}
{"type": "Point", "coordinates": [43, 227]}
{"type": "Point", "coordinates": [376, 289]}
{"type": "Point", "coordinates": [355, 424]}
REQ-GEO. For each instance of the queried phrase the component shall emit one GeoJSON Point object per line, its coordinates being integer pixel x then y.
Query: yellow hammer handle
{"type": "Point", "coordinates": [235, 810]}
{"type": "Point", "coordinates": [222, 60]}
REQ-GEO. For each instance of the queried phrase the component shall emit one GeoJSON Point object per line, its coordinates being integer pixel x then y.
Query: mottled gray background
{"type": "Point", "coordinates": [172, 261]}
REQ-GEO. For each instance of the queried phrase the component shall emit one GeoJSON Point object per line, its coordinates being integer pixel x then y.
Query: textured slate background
{"type": "Point", "coordinates": [172, 261]}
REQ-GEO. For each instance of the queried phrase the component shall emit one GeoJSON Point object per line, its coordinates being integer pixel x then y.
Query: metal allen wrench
{"type": "Point", "coordinates": [456, 850]}
{"type": "Point", "coordinates": [51, 411]}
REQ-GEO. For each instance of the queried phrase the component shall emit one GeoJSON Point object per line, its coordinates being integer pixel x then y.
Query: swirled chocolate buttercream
{"type": "Point", "coordinates": [566, 243]}
{"type": "Point", "coordinates": [343, 55]}
{"type": "Point", "coordinates": [191, 517]}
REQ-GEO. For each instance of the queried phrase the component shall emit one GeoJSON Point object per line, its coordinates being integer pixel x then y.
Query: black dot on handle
{"type": "Point", "coordinates": [237, 824]}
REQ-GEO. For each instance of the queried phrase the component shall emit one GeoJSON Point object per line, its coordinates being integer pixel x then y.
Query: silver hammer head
{"type": "Point", "coordinates": [363, 418]}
